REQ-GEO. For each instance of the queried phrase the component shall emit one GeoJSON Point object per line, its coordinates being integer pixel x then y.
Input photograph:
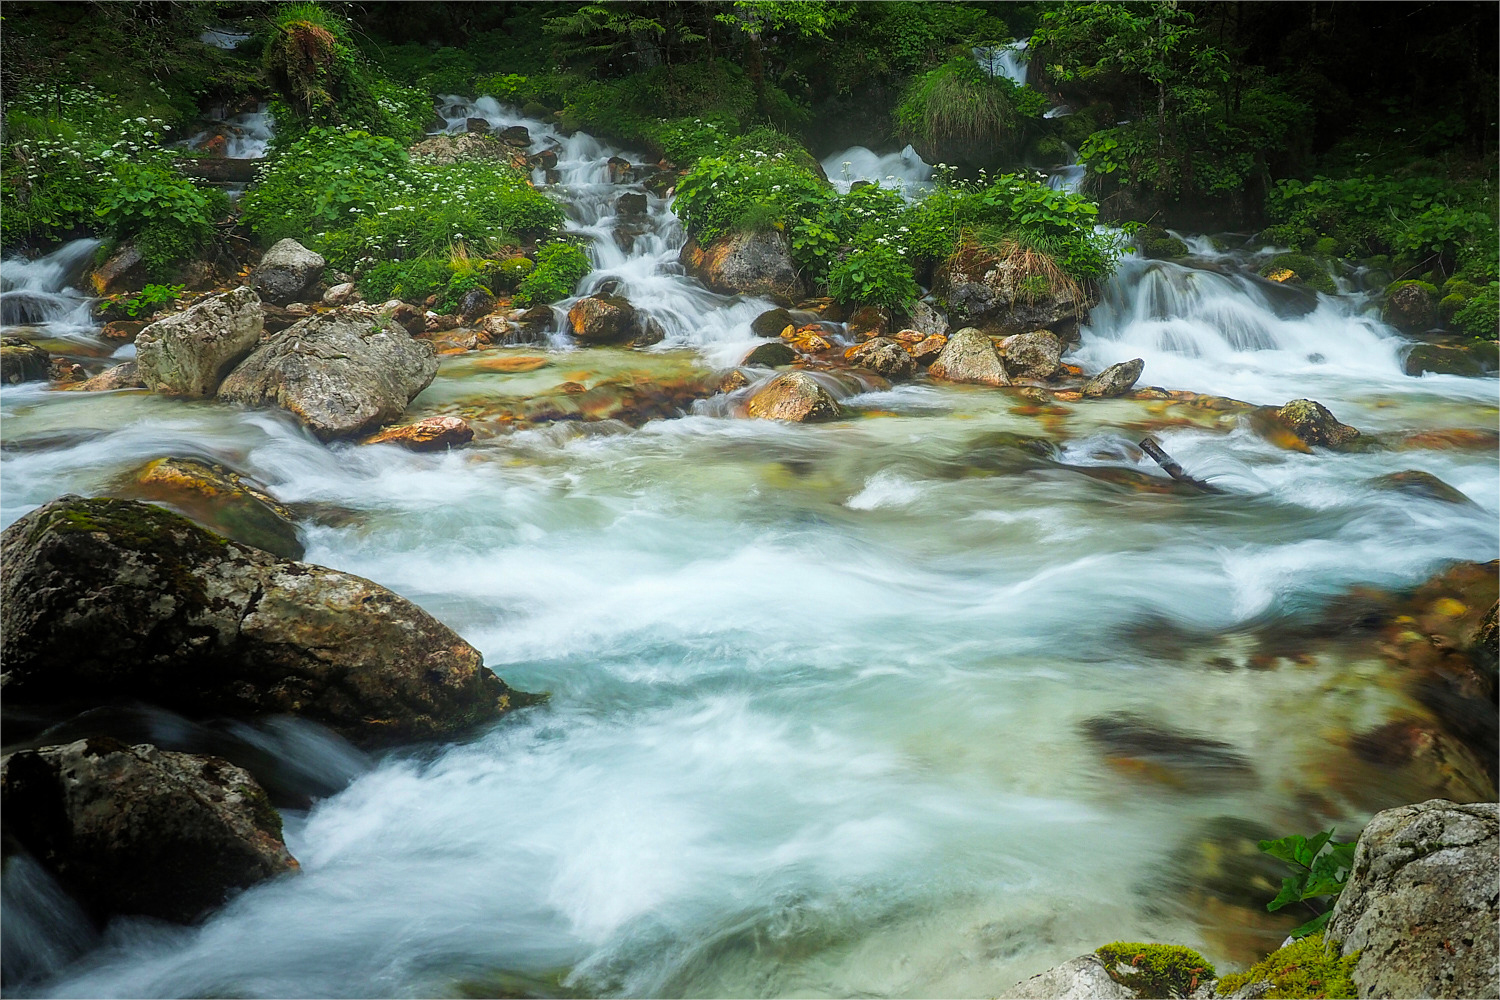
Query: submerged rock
{"type": "Point", "coordinates": [1312, 423]}
{"type": "Point", "coordinates": [883, 356]}
{"type": "Point", "coordinates": [1116, 380]}
{"type": "Point", "coordinates": [126, 376]}
{"type": "Point", "coordinates": [431, 434]}
{"type": "Point", "coordinates": [794, 396]}
{"type": "Point", "coordinates": [969, 356]}
{"type": "Point", "coordinates": [23, 361]}
{"type": "Point", "coordinates": [156, 608]}
{"type": "Point", "coordinates": [1451, 359]}
{"type": "Point", "coordinates": [746, 264]}
{"type": "Point", "coordinates": [1184, 760]}
{"type": "Point", "coordinates": [288, 272]}
{"type": "Point", "coordinates": [221, 500]}
{"type": "Point", "coordinates": [1032, 355]}
{"type": "Point", "coordinates": [341, 373]}
{"type": "Point", "coordinates": [189, 353]}
{"type": "Point", "coordinates": [1420, 903]}
{"type": "Point", "coordinates": [138, 830]}
{"type": "Point", "coordinates": [1418, 483]}
{"type": "Point", "coordinates": [602, 319]}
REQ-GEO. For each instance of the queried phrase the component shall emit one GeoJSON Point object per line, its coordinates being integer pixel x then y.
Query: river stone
{"type": "Point", "coordinates": [1451, 359]}
{"type": "Point", "coordinates": [135, 829]}
{"type": "Point", "coordinates": [340, 373]}
{"type": "Point", "coordinates": [747, 264]}
{"type": "Point", "coordinates": [1411, 308]}
{"type": "Point", "coordinates": [632, 203]}
{"type": "Point", "coordinates": [602, 319]}
{"type": "Point", "coordinates": [1417, 483]}
{"type": "Point", "coordinates": [1313, 423]}
{"type": "Point", "coordinates": [23, 361]}
{"type": "Point", "coordinates": [1083, 978]}
{"type": "Point", "coordinates": [430, 434]}
{"type": "Point", "coordinates": [926, 320]}
{"type": "Point", "coordinates": [1033, 355]}
{"type": "Point", "coordinates": [107, 600]}
{"type": "Point", "coordinates": [287, 272]}
{"type": "Point", "coordinates": [969, 356]}
{"type": "Point", "coordinates": [772, 355]}
{"type": "Point", "coordinates": [868, 322]}
{"type": "Point", "coordinates": [126, 376]}
{"type": "Point", "coordinates": [123, 271]}
{"type": "Point", "coordinates": [980, 290]}
{"type": "Point", "coordinates": [771, 322]}
{"type": "Point", "coordinates": [794, 396]}
{"type": "Point", "coordinates": [189, 353]}
{"type": "Point", "coordinates": [1421, 902]}
{"type": "Point", "coordinates": [883, 356]}
{"type": "Point", "coordinates": [1116, 380]}
{"type": "Point", "coordinates": [339, 294]}
{"type": "Point", "coordinates": [221, 500]}
{"type": "Point", "coordinates": [516, 135]}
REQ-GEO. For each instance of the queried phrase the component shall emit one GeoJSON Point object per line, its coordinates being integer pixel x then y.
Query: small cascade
{"type": "Point", "coordinates": [40, 294]}
{"type": "Point", "coordinates": [1068, 177]}
{"type": "Point", "coordinates": [247, 135]}
{"type": "Point", "coordinates": [1008, 60]}
{"type": "Point", "coordinates": [905, 171]}
{"type": "Point", "coordinates": [223, 38]}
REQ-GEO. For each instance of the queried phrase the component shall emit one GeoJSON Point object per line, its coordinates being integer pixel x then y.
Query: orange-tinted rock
{"type": "Point", "coordinates": [431, 434]}
{"type": "Point", "coordinates": [511, 365]}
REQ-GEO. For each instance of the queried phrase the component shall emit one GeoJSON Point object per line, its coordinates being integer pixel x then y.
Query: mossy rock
{"type": "Point", "coordinates": [1305, 968]}
{"type": "Point", "coordinates": [1451, 359]}
{"type": "Point", "coordinates": [1327, 246]}
{"type": "Point", "coordinates": [1155, 970]}
{"type": "Point", "coordinates": [1156, 243]}
{"type": "Point", "coordinates": [1311, 271]}
{"type": "Point", "coordinates": [1410, 306]}
{"type": "Point", "coordinates": [1460, 287]}
{"type": "Point", "coordinates": [1449, 305]}
{"type": "Point", "coordinates": [511, 270]}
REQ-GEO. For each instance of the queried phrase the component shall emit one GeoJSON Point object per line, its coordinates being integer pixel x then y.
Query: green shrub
{"type": "Point", "coordinates": [1155, 970]}
{"type": "Point", "coordinates": [1480, 316]}
{"type": "Point", "coordinates": [325, 180]}
{"type": "Point", "coordinates": [559, 268]}
{"type": "Point", "coordinates": [720, 190]}
{"type": "Point", "coordinates": [877, 274]}
{"type": "Point", "coordinates": [1304, 968]}
{"type": "Point", "coordinates": [460, 283]}
{"type": "Point", "coordinates": [152, 297]}
{"type": "Point", "coordinates": [410, 280]}
{"type": "Point", "coordinates": [512, 270]}
{"type": "Point", "coordinates": [957, 102]}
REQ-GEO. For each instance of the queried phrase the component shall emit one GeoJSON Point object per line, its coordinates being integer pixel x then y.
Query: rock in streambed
{"type": "Point", "coordinates": [109, 600]}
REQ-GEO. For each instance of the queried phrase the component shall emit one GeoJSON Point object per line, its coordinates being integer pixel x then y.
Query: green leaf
{"type": "Point", "coordinates": [1291, 892]}
{"type": "Point", "coordinates": [1313, 926]}
{"type": "Point", "coordinates": [1288, 849]}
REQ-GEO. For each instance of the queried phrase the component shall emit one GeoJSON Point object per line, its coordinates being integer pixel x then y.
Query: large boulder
{"type": "Point", "coordinates": [221, 500]}
{"type": "Point", "coordinates": [1116, 380]}
{"type": "Point", "coordinates": [927, 321]}
{"type": "Point", "coordinates": [288, 272]}
{"type": "Point", "coordinates": [794, 396]}
{"type": "Point", "coordinates": [23, 361]}
{"type": "Point", "coordinates": [772, 355]}
{"type": "Point", "coordinates": [189, 353]}
{"type": "Point", "coordinates": [771, 322]}
{"type": "Point", "coordinates": [104, 600]}
{"type": "Point", "coordinates": [1312, 422]}
{"type": "Point", "coordinates": [969, 356]}
{"type": "Point", "coordinates": [747, 264]}
{"type": "Point", "coordinates": [996, 294]}
{"type": "Point", "coordinates": [1421, 902]}
{"type": "Point", "coordinates": [1032, 355]}
{"type": "Point", "coordinates": [1411, 306]}
{"type": "Point", "coordinates": [341, 373]}
{"type": "Point", "coordinates": [602, 319]}
{"type": "Point", "coordinates": [883, 356]}
{"type": "Point", "coordinates": [135, 829]}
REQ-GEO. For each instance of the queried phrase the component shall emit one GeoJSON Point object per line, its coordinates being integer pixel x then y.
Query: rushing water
{"type": "Point", "coordinates": [816, 691]}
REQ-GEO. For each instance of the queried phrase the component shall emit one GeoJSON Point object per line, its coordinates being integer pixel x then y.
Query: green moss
{"type": "Point", "coordinates": [1155, 970]}
{"type": "Point", "coordinates": [1480, 316]}
{"type": "Point", "coordinates": [1157, 243]}
{"type": "Point", "coordinates": [512, 270]}
{"type": "Point", "coordinates": [1460, 287]}
{"type": "Point", "coordinates": [1449, 305]}
{"type": "Point", "coordinates": [1327, 246]}
{"type": "Point", "coordinates": [1426, 286]}
{"type": "Point", "coordinates": [1308, 268]}
{"type": "Point", "coordinates": [1305, 968]}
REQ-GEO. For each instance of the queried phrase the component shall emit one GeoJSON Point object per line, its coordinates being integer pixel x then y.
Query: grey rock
{"type": "Point", "coordinates": [1083, 978]}
{"type": "Point", "coordinates": [602, 319]}
{"type": "Point", "coordinates": [772, 355]}
{"type": "Point", "coordinates": [135, 829]}
{"type": "Point", "coordinates": [1410, 308]}
{"type": "Point", "coordinates": [1421, 902]}
{"type": "Point", "coordinates": [287, 272]}
{"type": "Point", "coordinates": [991, 294]}
{"type": "Point", "coordinates": [969, 356]}
{"type": "Point", "coordinates": [478, 126]}
{"type": "Point", "coordinates": [516, 135]}
{"type": "Point", "coordinates": [339, 294]}
{"type": "Point", "coordinates": [747, 264]}
{"type": "Point", "coordinates": [884, 356]}
{"type": "Point", "coordinates": [23, 361]}
{"type": "Point", "coordinates": [476, 303]}
{"type": "Point", "coordinates": [796, 397]}
{"type": "Point", "coordinates": [1033, 355]}
{"type": "Point", "coordinates": [632, 203]}
{"type": "Point", "coordinates": [117, 600]}
{"type": "Point", "coordinates": [340, 373]}
{"type": "Point", "coordinates": [189, 353]}
{"type": "Point", "coordinates": [926, 320]}
{"type": "Point", "coordinates": [126, 376]}
{"type": "Point", "coordinates": [1116, 380]}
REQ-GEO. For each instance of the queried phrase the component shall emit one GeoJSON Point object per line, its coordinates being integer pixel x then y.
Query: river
{"type": "Point", "coordinates": [820, 695]}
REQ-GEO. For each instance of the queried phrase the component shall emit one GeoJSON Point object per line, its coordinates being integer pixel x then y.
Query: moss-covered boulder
{"type": "Point", "coordinates": [1158, 244]}
{"type": "Point", "coordinates": [1305, 968]}
{"type": "Point", "coordinates": [23, 361]}
{"type": "Point", "coordinates": [1153, 971]}
{"type": "Point", "coordinates": [138, 830]}
{"type": "Point", "coordinates": [105, 600]}
{"type": "Point", "coordinates": [1472, 359]}
{"type": "Point", "coordinates": [1307, 270]}
{"type": "Point", "coordinates": [1313, 424]}
{"type": "Point", "coordinates": [772, 355]}
{"type": "Point", "coordinates": [220, 499]}
{"type": "Point", "coordinates": [1410, 306]}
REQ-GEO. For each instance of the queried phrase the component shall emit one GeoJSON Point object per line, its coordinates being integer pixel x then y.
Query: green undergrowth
{"type": "Point", "coordinates": [1155, 970]}
{"type": "Point", "coordinates": [560, 266]}
{"type": "Point", "coordinates": [449, 279]}
{"type": "Point", "coordinates": [958, 103]}
{"type": "Point", "coordinates": [1305, 968]}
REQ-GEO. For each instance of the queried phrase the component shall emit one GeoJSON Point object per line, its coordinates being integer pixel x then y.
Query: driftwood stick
{"type": "Point", "coordinates": [1150, 447]}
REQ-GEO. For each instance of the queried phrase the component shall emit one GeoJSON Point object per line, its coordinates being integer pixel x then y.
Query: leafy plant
{"type": "Point", "coordinates": [1321, 868]}
{"type": "Point", "coordinates": [877, 274]}
{"type": "Point", "coordinates": [559, 268]}
{"type": "Point", "coordinates": [149, 299]}
{"type": "Point", "coordinates": [412, 280]}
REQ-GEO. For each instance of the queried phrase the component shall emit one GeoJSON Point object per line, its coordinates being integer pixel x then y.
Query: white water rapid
{"type": "Point", "coordinates": [821, 694]}
{"type": "Point", "coordinates": [1009, 60]}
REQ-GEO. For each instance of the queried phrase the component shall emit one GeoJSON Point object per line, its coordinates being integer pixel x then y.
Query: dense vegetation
{"type": "Point", "coordinates": [1359, 132]}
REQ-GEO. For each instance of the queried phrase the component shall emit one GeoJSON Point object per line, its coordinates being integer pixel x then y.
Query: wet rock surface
{"type": "Point", "coordinates": [772, 355]}
{"type": "Point", "coordinates": [126, 376]}
{"type": "Point", "coordinates": [796, 397]}
{"type": "Point", "coordinates": [139, 830]}
{"type": "Point", "coordinates": [1082, 978]}
{"type": "Point", "coordinates": [340, 373]}
{"type": "Point", "coordinates": [981, 290]}
{"type": "Point", "coordinates": [221, 500]}
{"type": "Point", "coordinates": [1116, 380]}
{"type": "Point", "coordinates": [1421, 903]}
{"type": "Point", "coordinates": [1313, 424]}
{"type": "Point", "coordinates": [746, 264]}
{"type": "Point", "coordinates": [191, 352]}
{"type": "Point", "coordinates": [288, 272]}
{"type": "Point", "coordinates": [112, 599]}
{"type": "Point", "coordinates": [430, 434]}
{"type": "Point", "coordinates": [969, 356]}
{"type": "Point", "coordinates": [23, 361]}
{"type": "Point", "coordinates": [1034, 355]}
{"type": "Point", "coordinates": [884, 357]}
{"type": "Point", "coordinates": [602, 319]}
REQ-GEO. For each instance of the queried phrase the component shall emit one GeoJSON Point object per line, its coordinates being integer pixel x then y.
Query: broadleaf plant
{"type": "Point", "coordinates": [1321, 867]}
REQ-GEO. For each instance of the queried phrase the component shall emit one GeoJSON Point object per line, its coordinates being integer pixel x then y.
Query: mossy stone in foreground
{"type": "Point", "coordinates": [1155, 970]}
{"type": "Point", "coordinates": [1304, 968]}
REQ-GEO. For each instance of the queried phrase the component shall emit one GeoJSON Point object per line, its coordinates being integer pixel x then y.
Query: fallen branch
{"type": "Point", "coordinates": [1150, 447]}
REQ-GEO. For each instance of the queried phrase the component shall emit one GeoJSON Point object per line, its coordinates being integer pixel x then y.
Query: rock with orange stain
{"type": "Point", "coordinates": [220, 499]}
{"type": "Point", "coordinates": [510, 364]}
{"type": "Point", "coordinates": [796, 397]}
{"type": "Point", "coordinates": [926, 350]}
{"type": "Point", "coordinates": [429, 434]}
